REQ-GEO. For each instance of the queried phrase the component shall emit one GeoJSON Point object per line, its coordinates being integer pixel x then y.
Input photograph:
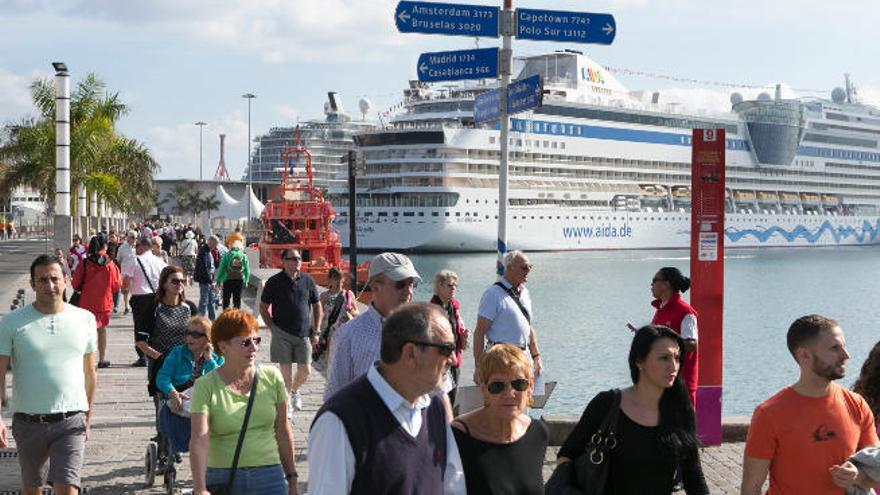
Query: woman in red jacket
{"type": "Point", "coordinates": [97, 278]}
{"type": "Point", "coordinates": [673, 312]}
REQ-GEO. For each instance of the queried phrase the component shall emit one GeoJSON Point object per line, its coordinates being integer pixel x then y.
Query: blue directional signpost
{"type": "Point", "coordinates": [447, 18]}
{"type": "Point", "coordinates": [492, 22]}
{"type": "Point", "coordinates": [487, 106]}
{"type": "Point", "coordinates": [571, 27]}
{"type": "Point", "coordinates": [458, 65]}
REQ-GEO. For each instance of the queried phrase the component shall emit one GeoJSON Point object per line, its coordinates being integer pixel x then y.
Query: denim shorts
{"type": "Point", "coordinates": [268, 480]}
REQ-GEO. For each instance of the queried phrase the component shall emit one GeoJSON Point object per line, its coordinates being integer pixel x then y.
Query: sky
{"type": "Point", "coordinates": [176, 62]}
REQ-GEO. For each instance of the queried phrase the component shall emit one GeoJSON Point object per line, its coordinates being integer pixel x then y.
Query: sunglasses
{"type": "Point", "coordinates": [403, 284]}
{"type": "Point", "coordinates": [195, 335]}
{"type": "Point", "coordinates": [177, 281]}
{"type": "Point", "coordinates": [444, 348]}
{"type": "Point", "coordinates": [520, 385]}
{"type": "Point", "coordinates": [255, 340]}
{"type": "Point", "coordinates": [292, 258]}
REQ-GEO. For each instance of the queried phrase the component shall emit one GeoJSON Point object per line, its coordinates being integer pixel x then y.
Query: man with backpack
{"type": "Point", "coordinates": [233, 274]}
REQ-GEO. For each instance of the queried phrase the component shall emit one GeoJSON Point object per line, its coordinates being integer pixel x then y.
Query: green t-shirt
{"type": "Point", "coordinates": [225, 410]}
{"type": "Point", "coordinates": [47, 355]}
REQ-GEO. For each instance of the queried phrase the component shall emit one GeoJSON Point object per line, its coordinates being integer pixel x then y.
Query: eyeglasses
{"type": "Point", "coordinates": [195, 335]}
{"type": "Point", "coordinates": [444, 348]}
{"type": "Point", "coordinates": [248, 341]}
{"type": "Point", "coordinates": [403, 284]}
{"type": "Point", "coordinates": [177, 281]}
{"type": "Point", "coordinates": [520, 385]}
{"type": "Point", "coordinates": [527, 267]}
{"type": "Point", "coordinates": [292, 258]}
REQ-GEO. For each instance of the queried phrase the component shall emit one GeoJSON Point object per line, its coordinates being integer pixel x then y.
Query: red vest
{"type": "Point", "coordinates": [670, 316]}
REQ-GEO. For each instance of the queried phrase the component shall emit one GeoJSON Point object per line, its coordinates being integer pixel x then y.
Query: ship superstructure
{"type": "Point", "coordinates": [599, 167]}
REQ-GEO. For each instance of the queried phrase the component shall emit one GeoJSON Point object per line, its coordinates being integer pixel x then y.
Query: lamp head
{"type": "Point", "coordinates": [59, 67]}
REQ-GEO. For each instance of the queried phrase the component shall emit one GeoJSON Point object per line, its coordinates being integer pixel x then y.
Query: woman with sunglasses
{"type": "Point", "coordinates": [502, 449]}
{"type": "Point", "coordinates": [445, 285]}
{"type": "Point", "coordinates": [187, 362]}
{"type": "Point", "coordinates": [672, 311]}
{"type": "Point", "coordinates": [655, 431]}
{"type": "Point", "coordinates": [220, 399]}
{"type": "Point", "coordinates": [165, 321]}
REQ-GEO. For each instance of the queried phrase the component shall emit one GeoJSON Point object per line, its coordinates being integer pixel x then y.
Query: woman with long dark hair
{"type": "Point", "coordinates": [674, 312]}
{"type": "Point", "coordinates": [655, 431]}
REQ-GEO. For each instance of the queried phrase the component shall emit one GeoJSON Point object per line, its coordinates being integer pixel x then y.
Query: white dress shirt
{"type": "Point", "coordinates": [152, 266]}
{"type": "Point", "coordinates": [329, 443]}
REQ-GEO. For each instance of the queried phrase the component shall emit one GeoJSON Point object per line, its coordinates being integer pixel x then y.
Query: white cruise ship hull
{"type": "Point", "coordinates": [611, 230]}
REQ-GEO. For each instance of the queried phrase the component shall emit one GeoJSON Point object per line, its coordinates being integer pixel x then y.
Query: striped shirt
{"type": "Point", "coordinates": [353, 349]}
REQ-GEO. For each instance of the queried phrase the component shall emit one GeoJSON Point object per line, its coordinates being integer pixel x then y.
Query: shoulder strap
{"type": "Point", "coordinates": [464, 425]}
{"type": "Point", "coordinates": [610, 421]}
{"type": "Point", "coordinates": [149, 282]}
{"type": "Point", "coordinates": [244, 425]}
{"type": "Point", "coordinates": [82, 283]}
{"type": "Point", "coordinates": [513, 295]}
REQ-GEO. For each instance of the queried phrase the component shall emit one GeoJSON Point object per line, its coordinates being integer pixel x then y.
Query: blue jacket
{"type": "Point", "coordinates": [177, 368]}
{"type": "Point", "coordinates": [204, 273]}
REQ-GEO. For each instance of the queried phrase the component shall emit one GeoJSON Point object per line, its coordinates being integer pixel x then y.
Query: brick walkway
{"type": "Point", "coordinates": [123, 424]}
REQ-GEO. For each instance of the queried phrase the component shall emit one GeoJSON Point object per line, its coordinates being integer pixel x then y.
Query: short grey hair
{"type": "Point", "coordinates": [156, 240]}
{"type": "Point", "coordinates": [511, 256]}
{"type": "Point", "coordinates": [444, 277]}
{"type": "Point", "coordinates": [409, 322]}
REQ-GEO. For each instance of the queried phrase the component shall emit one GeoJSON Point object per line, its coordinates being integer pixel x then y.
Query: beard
{"type": "Point", "coordinates": [829, 371]}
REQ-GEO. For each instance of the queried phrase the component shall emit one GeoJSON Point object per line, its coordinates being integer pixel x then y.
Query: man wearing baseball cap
{"type": "Point", "coordinates": [355, 345]}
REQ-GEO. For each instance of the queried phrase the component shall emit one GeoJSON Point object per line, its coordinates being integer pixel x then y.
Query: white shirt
{"type": "Point", "coordinates": [329, 443]}
{"type": "Point", "coordinates": [689, 327]}
{"type": "Point", "coordinates": [188, 247]}
{"type": "Point", "coordinates": [152, 266]}
{"type": "Point", "coordinates": [509, 325]}
{"type": "Point", "coordinates": [125, 253]}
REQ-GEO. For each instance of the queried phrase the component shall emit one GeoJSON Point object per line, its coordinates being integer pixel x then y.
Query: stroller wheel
{"type": "Point", "coordinates": [151, 458]}
{"type": "Point", "coordinates": [170, 478]}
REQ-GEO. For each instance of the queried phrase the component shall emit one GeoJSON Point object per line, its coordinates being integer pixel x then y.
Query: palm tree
{"type": "Point", "coordinates": [105, 161]}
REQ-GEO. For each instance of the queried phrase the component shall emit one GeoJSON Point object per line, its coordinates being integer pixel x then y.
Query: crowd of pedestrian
{"type": "Point", "coordinates": [388, 424]}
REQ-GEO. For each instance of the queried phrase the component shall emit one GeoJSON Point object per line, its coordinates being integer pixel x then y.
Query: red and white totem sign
{"type": "Point", "coordinates": [707, 273]}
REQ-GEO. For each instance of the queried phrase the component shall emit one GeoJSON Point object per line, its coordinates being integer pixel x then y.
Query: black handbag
{"type": "Point", "coordinates": [591, 468]}
{"type": "Point", "coordinates": [74, 298]}
{"type": "Point", "coordinates": [225, 488]}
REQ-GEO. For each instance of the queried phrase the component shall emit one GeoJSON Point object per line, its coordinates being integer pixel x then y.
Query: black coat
{"type": "Point", "coordinates": [204, 265]}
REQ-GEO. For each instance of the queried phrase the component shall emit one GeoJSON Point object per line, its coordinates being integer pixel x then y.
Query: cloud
{"type": "Point", "coordinates": [15, 97]}
{"type": "Point", "coordinates": [176, 147]}
{"type": "Point", "coordinates": [870, 95]}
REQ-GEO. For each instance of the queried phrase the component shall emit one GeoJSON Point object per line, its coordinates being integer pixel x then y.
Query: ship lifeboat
{"type": "Point", "coordinates": [830, 199]}
{"type": "Point", "coordinates": [681, 192]}
{"type": "Point", "coordinates": [788, 197]}
{"type": "Point", "coordinates": [298, 217]}
{"type": "Point", "coordinates": [809, 197]}
{"type": "Point", "coordinates": [652, 190]}
{"type": "Point", "coordinates": [767, 197]}
{"type": "Point", "coordinates": [743, 195]}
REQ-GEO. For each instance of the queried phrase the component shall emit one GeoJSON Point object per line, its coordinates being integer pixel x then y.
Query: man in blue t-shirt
{"type": "Point", "coordinates": [53, 345]}
{"type": "Point", "coordinates": [295, 317]}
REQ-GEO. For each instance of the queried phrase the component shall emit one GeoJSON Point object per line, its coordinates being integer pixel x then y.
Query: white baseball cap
{"type": "Point", "coordinates": [395, 266]}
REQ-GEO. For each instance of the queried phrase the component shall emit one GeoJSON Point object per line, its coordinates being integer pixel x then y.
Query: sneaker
{"type": "Point", "coordinates": [140, 363]}
{"type": "Point", "coordinates": [103, 364]}
{"type": "Point", "coordinates": [125, 312]}
{"type": "Point", "coordinates": [115, 310]}
{"type": "Point", "coordinates": [296, 401]}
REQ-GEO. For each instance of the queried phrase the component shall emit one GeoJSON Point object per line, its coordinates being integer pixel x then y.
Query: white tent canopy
{"type": "Point", "coordinates": [237, 210]}
{"type": "Point", "coordinates": [223, 196]}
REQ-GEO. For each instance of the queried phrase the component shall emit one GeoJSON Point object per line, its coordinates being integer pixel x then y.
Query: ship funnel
{"type": "Point", "coordinates": [778, 95]}
{"type": "Point", "coordinates": [334, 106]}
{"type": "Point", "coordinates": [655, 98]}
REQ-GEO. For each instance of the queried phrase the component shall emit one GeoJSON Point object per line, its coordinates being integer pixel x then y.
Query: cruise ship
{"type": "Point", "coordinates": [600, 167]}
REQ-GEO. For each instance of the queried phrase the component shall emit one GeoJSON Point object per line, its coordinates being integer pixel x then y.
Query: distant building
{"type": "Point", "coordinates": [329, 141]}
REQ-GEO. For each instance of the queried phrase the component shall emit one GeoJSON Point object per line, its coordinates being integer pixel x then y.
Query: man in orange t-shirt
{"type": "Point", "coordinates": [805, 433]}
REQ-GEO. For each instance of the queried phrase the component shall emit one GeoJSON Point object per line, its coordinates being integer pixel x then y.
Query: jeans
{"type": "Point", "coordinates": [206, 301]}
{"type": "Point", "coordinates": [232, 288]}
{"type": "Point", "coordinates": [263, 480]}
{"type": "Point", "coordinates": [116, 300]}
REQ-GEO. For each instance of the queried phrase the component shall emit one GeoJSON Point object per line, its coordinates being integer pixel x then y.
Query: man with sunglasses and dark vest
{"type": "Point", "coordinates": [355, 345]}
{"type": "Point", "coordinates": [505, 313]}
{"type": "Point", "coordinates": [388, 431]}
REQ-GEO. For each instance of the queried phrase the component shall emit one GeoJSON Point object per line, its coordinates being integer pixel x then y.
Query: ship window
{"type": "Point", "coordinates": [491, 139]}
{"type": "Point", "coordinates": [446, 213]}
{"type": "Point", "coordinates": [458, 213]}
{"type": "Point", "coordinates": [467, 214]}
{"type": "Point", "coordinates": [396, 214]}
{"type": "Point", "coordinates": [408, 213]}
{"type": "Point", "coordinates": [435, 214]}
{"type": "Point", "coordinates": [383, 213]}
{"type": "Point", "coordinates": [368, 214]}
{"type": "Point", "coordinates": [533, 218]}
{"type": "Point", "coordinates": [421, 213]}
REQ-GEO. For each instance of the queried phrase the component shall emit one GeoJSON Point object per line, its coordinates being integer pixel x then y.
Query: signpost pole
{"type": "Point", "coordinates": [352, 226]}
{"type": "Point", "coordinates": [507, 29]}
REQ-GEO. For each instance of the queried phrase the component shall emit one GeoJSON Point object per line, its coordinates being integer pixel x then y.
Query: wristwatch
{"type": "Point", "coordinates": [292, 474]}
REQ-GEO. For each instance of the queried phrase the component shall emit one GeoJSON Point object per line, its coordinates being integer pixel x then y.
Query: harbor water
{"type": "Point", "coordinates": [582, 302]}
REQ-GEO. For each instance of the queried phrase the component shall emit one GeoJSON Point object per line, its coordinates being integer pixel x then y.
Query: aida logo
{"type": "Point", "coordinates": [594, 75]}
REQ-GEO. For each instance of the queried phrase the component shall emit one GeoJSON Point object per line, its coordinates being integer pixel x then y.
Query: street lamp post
{"type": "Point", "coordinates": [249, 96]}
{"type": "Point", "coordinates": [63, 234]}
{"type": "Point", "coordinates": [201, 127]}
